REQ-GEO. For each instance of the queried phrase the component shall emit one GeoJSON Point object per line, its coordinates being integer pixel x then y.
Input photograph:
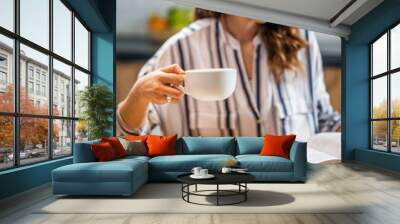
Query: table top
{"type": "Point", "coordinates": [220, 178]}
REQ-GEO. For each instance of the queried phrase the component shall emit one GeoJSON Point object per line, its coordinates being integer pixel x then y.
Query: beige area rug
{"type": "Point", "coordinates": [166, 198]}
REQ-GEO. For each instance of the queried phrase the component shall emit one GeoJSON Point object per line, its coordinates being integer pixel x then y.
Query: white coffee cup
{"type": "Point", "coordinates": [196, 170]}
{"type": "Point", "coordinates": [226, 170]}
{"type": "Point", "coordinates": [209, 84]}
{"type": "Point", "coordinates": [203, 172]}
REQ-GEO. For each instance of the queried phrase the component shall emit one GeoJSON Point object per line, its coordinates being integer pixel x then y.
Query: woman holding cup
{"type": "Point", "coordinates": [279, 88]}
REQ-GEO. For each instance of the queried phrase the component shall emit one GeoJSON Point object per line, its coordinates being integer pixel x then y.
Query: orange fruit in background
{"type": "Point", "coordinates": [157, 23]}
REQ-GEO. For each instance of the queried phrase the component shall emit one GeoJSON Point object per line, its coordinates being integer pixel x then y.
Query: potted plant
{"type": "Point", "coordinates": [96, 103]}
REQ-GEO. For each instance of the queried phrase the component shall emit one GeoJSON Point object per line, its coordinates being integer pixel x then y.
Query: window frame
{"type": "Point", "coordinates": [16, 114]}
{"type": "Point", "coordinates": [388, 74]}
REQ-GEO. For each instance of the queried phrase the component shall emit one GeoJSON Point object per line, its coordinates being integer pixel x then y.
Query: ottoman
{"type": "Point", "coordinates": [118, 177]}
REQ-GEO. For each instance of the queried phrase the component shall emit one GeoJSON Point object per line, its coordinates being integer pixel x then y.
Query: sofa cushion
{"type": "Point", "coordinates": [112, 171]}
{"type": "Point", "coordinates": [132, 158]}
{"type": "Point", "coordinates": [136, 137]}
{"type": "Point", "coordinates": [116, 145]}
{"type": "Point", "coordinates": [185, 163]}
{"type": "Point", "coordinates": [257, 163]}
{"type": "Point", "coordinates": [83, 152]}
{"type": "Point", "coordinates": [206, 145]}
{"type": "Point", "coordinates": [161, 145]}
{"type": "Point", "coordinates": [103, 152]}
{"type": "Point", "coordinates": [135, 147]}
{"type": "Point", "coordinates": [249, 145]}
{"type": "Point", "coordinates": [277, 145]}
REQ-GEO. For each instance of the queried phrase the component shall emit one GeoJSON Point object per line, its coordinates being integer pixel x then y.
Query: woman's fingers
{"type": "Point", "coordinates": [172, 69]}
{"type": "Point", "coordinates": [168, 78]}
{"type": "Point", "coordinates": [170, 91]}
{"type": "Point", "coordinates": [159, 98]}
{"type": "Point", "coordinates": [158, 87]}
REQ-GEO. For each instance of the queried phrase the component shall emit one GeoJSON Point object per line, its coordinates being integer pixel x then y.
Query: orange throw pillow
{"type": "Point", "coordinates": [161, 145]}
{"type": "Point", "coordinates": [275, 145]}
{"type": "Point", "coordinates": [103, 152]}
{"type": "Point", "coordinates": [116, 145]}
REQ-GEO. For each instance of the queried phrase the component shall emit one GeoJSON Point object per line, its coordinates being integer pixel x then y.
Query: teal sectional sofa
{"type": "Point", "coordinates": [125, 176]}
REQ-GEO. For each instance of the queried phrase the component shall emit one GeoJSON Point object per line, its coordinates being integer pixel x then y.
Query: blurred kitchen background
{"type": "Point", "coordinates": [142, 26]}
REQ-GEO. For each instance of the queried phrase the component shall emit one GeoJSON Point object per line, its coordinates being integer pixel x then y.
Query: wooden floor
{"type": "Point", "coordinates": [351, 181]}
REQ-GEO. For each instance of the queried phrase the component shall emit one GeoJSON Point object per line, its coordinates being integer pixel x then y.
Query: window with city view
{"type": "Point", "coordinates": [44, 65]}
{"type": "Point", "coordinates": [385, 91]}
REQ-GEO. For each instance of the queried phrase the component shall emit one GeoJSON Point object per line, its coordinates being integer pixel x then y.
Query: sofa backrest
{"type": "Point", "coordinates": [83, 152]}
{"type": "Point", "coordinates": [249, 145]}
{"type": "Point", "coordinates": [206, 145]}
{"type": "Point", "coordinates": [191, 146]}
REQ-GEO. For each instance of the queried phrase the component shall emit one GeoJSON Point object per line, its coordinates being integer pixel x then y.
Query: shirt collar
{"type": "Point", "coordinates": [231, 41]}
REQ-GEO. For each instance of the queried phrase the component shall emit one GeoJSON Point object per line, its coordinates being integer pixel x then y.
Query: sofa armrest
{"type": "Point", "coordinates": [83, 152]}
{"type": "Point", "coordinates": [298, 155]}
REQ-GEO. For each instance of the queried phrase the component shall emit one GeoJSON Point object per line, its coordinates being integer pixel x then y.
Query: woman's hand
{"type": "Point", "coordinates": [157, 86]}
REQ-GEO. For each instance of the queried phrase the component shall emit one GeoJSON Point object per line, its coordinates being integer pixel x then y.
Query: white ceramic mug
{"type": "Point", "coordinates": [203, 172]}
{"type": "Point", "coordinates": [209, 84]}
{"type": "Point", "coordinates": [196, 171]}
{"type": "Point", "coordinates": [226, 170]}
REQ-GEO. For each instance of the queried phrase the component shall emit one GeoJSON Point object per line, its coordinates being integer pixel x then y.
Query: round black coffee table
{"type": "Point", "coordinates": [238, 179]}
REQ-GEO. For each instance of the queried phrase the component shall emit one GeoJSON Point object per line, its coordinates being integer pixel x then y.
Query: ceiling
{"type": "Point", "coordinates": [325, 16]}
{"type": "Point", "coordinates": [321, 9]}
{"type": "Point", "coordinates": [132, 18]}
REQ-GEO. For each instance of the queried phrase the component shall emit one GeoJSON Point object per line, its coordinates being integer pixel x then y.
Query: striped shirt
{"type": "Point", "coordinates": [297, 104]}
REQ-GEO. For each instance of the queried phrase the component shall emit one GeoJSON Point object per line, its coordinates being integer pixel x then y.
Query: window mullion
{"type": "Point", "coordinates": [389, 104]}
{"type": "Point", "coordinates": [371, 141]}
{"type": "Point", "coordinates": [89, 53]}
{"type": "Point", "coordinates": [16, 85]}
{"type": "Point", "coordinates": [73, 82]}
{"type": "Point", "coordinates": [50, 81]}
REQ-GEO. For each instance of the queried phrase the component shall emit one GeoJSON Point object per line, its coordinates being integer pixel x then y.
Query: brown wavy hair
{"type": "Point", "coordinates": [283, 43]}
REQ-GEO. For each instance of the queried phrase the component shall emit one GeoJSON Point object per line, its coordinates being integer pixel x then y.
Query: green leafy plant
{"type": "Point", "coordinates": [96, 102]}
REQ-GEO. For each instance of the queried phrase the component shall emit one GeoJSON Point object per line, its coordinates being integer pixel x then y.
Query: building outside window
{"type": "Point", "coordinates": [30, 87]}
{"type": "Point", "coordinates": [3, 61]}
{"type": "Point", "coordinates": [30, 72]}
{"type": "Point", "coordinates": [55, 97]}
{"type": "Point", "coordinates": [38, 89]}
{"type": "Point", "coordinates": [3, 80]}
{"type": "Point", "coordinates": [3, 72]}
{"type": "Point", "coordinates": [55, 140]}
{"type": "Point", "coordinates": [43, 90]}
{"type": "Point", "coordinates": [37, 74]}
{"type": "Point", "coordinates": [44, 77]}
{"type": "Point", "coordinates": [385, 91]}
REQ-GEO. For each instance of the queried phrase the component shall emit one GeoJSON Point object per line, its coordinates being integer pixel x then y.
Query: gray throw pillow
{"type": "Point", "coordinates": [136, 147]}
